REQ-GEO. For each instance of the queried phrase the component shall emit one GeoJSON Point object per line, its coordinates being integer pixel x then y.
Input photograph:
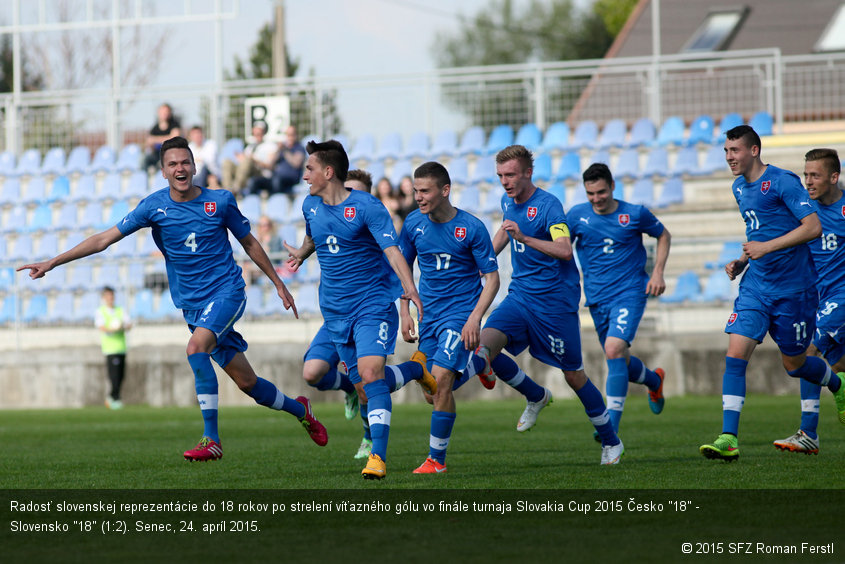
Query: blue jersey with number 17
{"type": "Point", "coordinates": [350, 239]}
{"type": "Point", "coordinates": [772, 206]}
{"type": "Point", "coordinates": [544, 280]}
{"type": "Point", "coordinates": [194, 238]}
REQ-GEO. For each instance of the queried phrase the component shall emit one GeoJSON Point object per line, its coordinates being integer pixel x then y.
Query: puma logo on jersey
{"type": "Point", "coordinates": [164, 211]}
{"type": "Point", "coordinates": [585, 220]}
{"type": "Point", "coordinates": [382, 343]}
{"type": "Point", "coordinates": [805, 203]}
{"type": "Point", "coordinates": [125, 219]}
{"type": "Point", "coordinates": [313, 211]}
{"type": "Point", "coordinates": [420, 229]}
{"type": "Point", "coordinates": [388, 235]}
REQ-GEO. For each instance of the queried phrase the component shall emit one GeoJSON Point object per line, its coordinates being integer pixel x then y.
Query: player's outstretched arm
{"type": "Point", "coordinates": [94, 244]}
{"type": "Point", "coordinates": [259, 256]}
{"type": "Point", "coordinates": [471, 332]}
{"type": "Point", "coordinates": [400, 267]}
{"type": "Point", "coordinates": [297, 256]}
{"type": "Point", "coordinates": [656, 284]}
{"type": "Point", "coordinates": [809, 229]}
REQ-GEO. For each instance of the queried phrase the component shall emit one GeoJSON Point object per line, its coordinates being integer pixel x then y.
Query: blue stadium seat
{"type": "Point", "coordinates": [307, 300]}
{"type": "Point", "coordinates": [92, 216]}
{"type": "Point", "coordinates": [124, 247]}
{"type": "Point", "coordinates": [62, 309]}
{"type": "Point", "coordinates": [686, 161]}
{"type": "Point", "coordinates": [66, 216]}
{"type": "Point", "coordinates": [628, 164]}
{"type": "Point", "coordinates": [103, 161]}
{"type": "Point", "coordinates": [729, 121]}
{"type": "Point", "coordinates": [417, 147]}
{"type": "Point", "coordinates": [135, 274]}
{"type": "Point", "coordinates": [85, 189]}
{"type": "Point", "coordinates": [129, 159]}
{"type": "Point", "coordinates": [672, 193]}
{"type": "Point", "coordinates": [11, 193]}
{"type": "Point", "coordinates": [657, 163]}
{"type": "Point", "coordinates": [138, 186]}
{"type": "Point", "coordinates": [601, 156]}
{"type": "Point", "coordinates": [579, 196]}
{"type": "Point", "coordinates": [613, 134]}
{"type": "Point", "coordinates": [472, 141]}
{"type": "Point", "coordinates": [7, 275]}
{"type": "Point", "coordinates": [401, 168]}
{"type": "Point", "coordinates": [364, 149]}
{"type": "Point", "coordinates": [714, 161]}
{"type": "Point", "coordinates": [446, 143]}
{"type": "Point", "coordinates": [687, 289]}
{"type": "Point", "coordinates": [112, 186]}
{"type": "Point", "coordinates": [34, 191]}
{"type": "Point", "coordinates": [289, 234]}
{"type": "Point", "coordinates": [35, 309]}
{"type": "Point", "coordinates": [459, 170]}
{"type": "Point", "coordinates": [586, 135]}
{"type": "Point", "coordinates": [73, 239]}
{"type": "Point", "coordinates": [643, 133]}
{"type": "Point", "coordinates": [671, 132]}
{"type": "Point", "coordinates": [376, 170]}
{"type": "Point", "coordinates": [9, 310]}
{"type": "Point", "coordinates": [254, 301]}
{"type": "Point", "coordinates": [54, 161]}
{"type": "Point", "coordinates": [117, 212]}
{"type": "Point", "coordinates": [87, 306]}
{"type": "Point", "coordinates": [558, 190]}
{"type": "Point", "coordinates": [701, 130]}
{"type": "Point", "coordinates": [762, 123]}
{"type": "Point", "coordinates": [250, 207]}
{"type": "Point", "coordinates": [166, 310]}
{"type": "Point", "coordinates": [484, 171]}
{"type": "Point", "coordinates": [29, 164]}
{"type": "Point", "coordinates": [278, 207]}
{"type": "Point", "coordinates": [16, 220]}
{"type": "Point", "coordinates": [390, 146]}
{"type": "Point", "coordinates": [542, 168]}
{"type": "Point", "coordinates": [7, 163]}
{"type": "Point", "coordinates": [500, 137]}
{"type": "Point", "coordinates": [42, 218]}
{"type": "Point", "coordinates": [109, 275]}
{"type": "Point", "coordinates": [731, 250]}
{"type": "Point", "coordinates": [60, 189]}
{"type": "Point", "coordinates": [54, 280]}
{"type": "Point", "coordinates": [296, 210]}
{"type": "Point", "coordinates": [642, 192]}
{"type": "Point", "coordinates": [142, 305]}
{"type": "Point", "coordinates": [81, 276]}
{"type": "Point", "coordinates": [569, 167]}
{"type": "Point", "coordinates": [556, 138]}
{"type": "Point", "coordinates": [493, 201]}
{"type": "Point", "coordinates": [529, 136]}
{"type": "Point", "coordinates": [148, 245]}
{"type": "Point", "coordinates": [78, 160]}
{"type": "Point", "coordinates": [469, 199]}
{"type": "Point", "coordinates": [717, 288]}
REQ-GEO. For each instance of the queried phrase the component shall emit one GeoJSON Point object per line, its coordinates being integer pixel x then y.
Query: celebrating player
{"type": "Point", "coordinates": [774, 296]}
{"type": "Point", "coordinates": [540, 311]}
{"type": "Point", "coordinates": [451, 247]}
{"type": "Point", "coordinates": [608, 237]}
{"type": "Point", "coordinates": [821, 176]}
{"type": "Point", "coordinates": [190, 226]}
{"type": "Point", "coordinates": [350, 230]}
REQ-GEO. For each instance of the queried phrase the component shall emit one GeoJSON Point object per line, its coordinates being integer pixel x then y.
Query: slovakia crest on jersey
{"type": "Point", "coordinates": [460, 233]}
{"type": "Point", "coordinates": [843, 211]}
{"type": "Point", "coordinates": [349, 213]}
{"type": "Point", "coordinates": [765, 185]}
{"type": "Point", "coordinates": [210, 208]}
{"type": "Point", "coordinates": [731, 318]}
{"type": "Point", "coordinates": [624, 219]}
{"type": "Point", "coordinates": [531, 213]}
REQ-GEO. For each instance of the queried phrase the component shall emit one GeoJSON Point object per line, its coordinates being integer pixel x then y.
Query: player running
{"type": "Point", "coordinates": [190, 226]}
{"type": "Point", "coordinates": [774, 296]}
{"type": "Point", "coordinates": [608, 237]}
{"type": "Point", "coordinates": [451, 247]}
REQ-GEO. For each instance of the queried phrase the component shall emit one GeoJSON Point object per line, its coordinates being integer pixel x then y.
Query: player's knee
{"type": "Point", "coordinates": [312, 377]}
{"type": "Point", "coordinates": [575, 378]}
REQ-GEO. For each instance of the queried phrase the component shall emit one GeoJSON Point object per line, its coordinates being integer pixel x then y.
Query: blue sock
{"type": "Point", "coordinates": [378, 414]}
{"type": "Point", "coordinates": [817, 371]}
{"type": "Point", "coordinates": [733, 393]}
{"type": "Point", "coordinates": [397, 375]}
{"type": "Point", "coordinates": [590, 397]}
{"type": "Point", "coordinates": [441, 432]}
{"type": "Point", "coordinates": [616, 389]}
{"type": "Point", "coordinates": [810, 395]}
{"type": "Point", "coordinates": [362, 410]}
{"type": "Point", "coordinates": [640, 374]}
{"type": "Point", "coordinates": [461, 379]}
{"type": "Point", "coordinates": [509, 372]}
{"type": "Point", "coordinates": [205, 381]}
{"type": "Point", "coordinates": [267, 394]}
{"type": "Point", "coordinates": [334, 380]}
{"type": "Point", "coordinates": [475, 365]}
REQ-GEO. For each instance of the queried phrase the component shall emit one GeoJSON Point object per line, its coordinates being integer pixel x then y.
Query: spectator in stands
{"type": "Point", "coordinates": [205, 158]}
{"type": "Point", "coordinates": [256, 160]}
{"type": "Point", "coordinates": [388, 196]}
{"type": "Point", "coordinates": [407, 202]}
{"type": "Point", "coordinates": [288, 170]}
{"type": "Point", "coordinates": [113, 322]}
{"type": "Point", "coordinates": [270, 240]}
{"type": "Point", "coordinates": [166, 126]}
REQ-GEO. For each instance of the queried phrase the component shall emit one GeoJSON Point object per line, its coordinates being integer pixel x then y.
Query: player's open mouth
{"type": "Point", "coordinates": [181, 177]}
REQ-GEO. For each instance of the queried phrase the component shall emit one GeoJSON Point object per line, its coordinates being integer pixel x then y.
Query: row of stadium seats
{"type": "Point", "coordinates": [717, 286]}
{"type": "Point", "coordinates": [88, 187]}
{"type": "Point", "coordinates": [79, 161]}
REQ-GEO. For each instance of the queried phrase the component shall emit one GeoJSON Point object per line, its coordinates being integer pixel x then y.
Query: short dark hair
{"type": "Point", "coordinates": [746, 133]}
{"type": "Point", "coordinates": [361, 176]}
{"type": "Point", "coordinates": [523, 155]}
{"type": "Point", "coordinates": [829, 156]}
{"type": "Point", "coordinates": [598, 171]}
{"type": "Point", "coordinates": [108, 289]}
{"type": "Point", "coordinates": [174, 143]}
{"type": "Point", "coordinates": [435, 171]}
{"type": "Point", "coordinates": [331, 153]}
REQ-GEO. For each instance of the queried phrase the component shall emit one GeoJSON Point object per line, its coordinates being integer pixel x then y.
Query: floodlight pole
{"type": "Point", "coordinates": [656, 110]}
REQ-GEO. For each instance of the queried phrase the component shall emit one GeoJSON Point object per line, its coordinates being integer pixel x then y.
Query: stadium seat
{"type": "Point", "coordinates": [701, 130]}
{"type": "Point", "coordinates": [85, 190]}
{"type": "Point", "coordinates": [569, 167]}
{"type": "Point", "coordinates": [657, 163]}
{"type": "Point", "coordinates": [123, 248]}
{"type": "Point", "coordinates": [642, 133]}
{"type": "Point", "coordinates": [459, 171]}
{"type": "Point", "coordinates": [84, 311]}
{"type": "Point", "coordinates": [42, 218]}
{"type": "Point", "coordinates": [601, 156]}
{"type": "Point", "coordinates": [729, 121]}
{"type": "Point", "coordinates": [65, 217]}
{"type": "Point", "coordinates": [558, 190]}
{"type": "Point", "coordinates": [586, 135]}
{"type": "Point", "coordinates": [390, 146]}
{"type": "Point", "coordinates": [103, 161]}
{"type": "Point", "coordinates": [54, 280]}
{"type": "Point", "coordinates": [62, 308]}
{"type": "Point", "coordinates": [16, 220]}
{"type": "Point", "coordinates": [672, 193]}
{"type": "Point", "coordinates": [11, 192]}
{"type": "Point", "coordinates": [613, 134]}
{"type": "Point", "coordinates": [717, 288]}
{"type": "Point", "coordinates": [671, 132]}
{"type": "Point", "coordinates": [579, 196]}
{"type": "Point", "coordinates": [9, 310]}
{"type": "Point", "coordinates": [376, 170]}
{"type": "Point", "coordinates": [469, 199]}
{"type": "Point", "coordinates": [714, 161]}
{"type": "Point", "coordinates": [34, 191]}
{"type": "Point", "coordinates": [417, 146]}
{"type": "Point", "coordinates": [278, 207]}
{"type": "Point", "coordinates": [529, 136]}
{"type": "Point", "coordinates": [731, 250]}
{"type": "Point", "coordinates": [307, 300]}
{"type": "Point", "coordinates": [92, 216]}
{"type": "Point", "coordinates": [401, 169]}
{"type": "Point", "coordinates": [7, 275]}
{"type": "Point", "coordinates": [148, 245]}
{"type": "Point", "coordinates": [81, 277]}
{"type": "Point", "coordinates": [493, 201]}
{"type": "Point", "coordinates": [138, 186]}
{"type": "Point", "coordinates": [142, 305]}
{"type": "Point", "coordinates": [542, 168]}
{"type": "Point", "coordinates": [446, 143]}
{"type": "Point", "coordinates": [29, 164]}
{"type": "Point", "coordinates": [254, 301]}
{"type": "Point", "coordinates": [112, 186]}
{"type": "Point", "coordinates": [484, 171]}
{"type": "Point", "coordinates": [296, 210]}
{"type": "Point", "coordinates": [556, 138]}
{"type": "Point", "coordinates": [687, 289]}
{"type": "Point", "coordinates": [166, 310]}
{"type": "Point", "coordinates": [250, 207]}
{"type": "Point", "coordinates": [628, 164]}
{"type": "Point", "coordinates": [35, 309]}
{"type": "Point", "coordinates": [78, 161]}
{"type": "Point", "coordinates": [7, 163]}
{"type": "Point", "coordinates": [117, 212]}
{"type": "Point", "coordinates": [762, 123]}
{"type": "Point", "coordinates": [686, 161]}
{"type": "Point", "coordinates": [60, 189]}
{"type": "Point", "coordinates": [54, 161]}
{"type": "Point", "coordinates": [129, 159]}
{"type": "Point", "coordinates": [500, 137]}
{"type": "Point", "coordinates": [289, 234]}
{"type": "Point", "coordinates": [642, 193]}
{"type": "Point", "coordinates": [109, 275]}
{"type": "Point", "coordinates": [364, 149]}
{"type": "Point", "coordinates": [472, 142]}
{"type": "Point", "coordinates": [73, 239]}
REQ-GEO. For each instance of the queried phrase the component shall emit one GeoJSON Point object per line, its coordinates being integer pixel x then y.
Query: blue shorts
{"type": "Point", "coordinates": [219, 316]}
{"type": "Point", "coordinates": [790, 320]}
{"type": "Point", "coordinates": [619, 318]}
{"type": "Point", "coordinates": [829, 337]}
{"type": "Point", "coordinates": [322, 348]}
{"type": "Point", "coordinates": [368, 334]}
{"type": "Point", "coordinates": [552, 337]}
{"type": "Point", "coordinates": [441, 342]}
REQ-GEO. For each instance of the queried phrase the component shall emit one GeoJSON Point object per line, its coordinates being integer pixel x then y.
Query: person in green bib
{"type": "Point", "coordinates": [113, 322]}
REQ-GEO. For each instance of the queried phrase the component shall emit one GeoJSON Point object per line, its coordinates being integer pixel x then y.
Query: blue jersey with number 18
{"type": "Point", "coordinates": [829, 249]}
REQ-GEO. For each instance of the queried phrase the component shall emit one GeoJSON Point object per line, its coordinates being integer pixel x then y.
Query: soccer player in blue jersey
{"type": "Point", "coordinates": [451, 247]}
{"type": "Point", "coordinates": [608, 237]}
{"type": "Point", "coordinates": [821, 176]}
{"type": "Point", "coordinates": [540, 312]}
{"type": "Point", "coordinates": [190, 226]}
{"type": "Point", "coordinates": [773, 295]}
{"type": "Point", "coordinates": [351, 232]}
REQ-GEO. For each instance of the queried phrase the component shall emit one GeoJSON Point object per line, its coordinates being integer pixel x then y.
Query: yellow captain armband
{"type": "Point", "coordinates": [559, 230]}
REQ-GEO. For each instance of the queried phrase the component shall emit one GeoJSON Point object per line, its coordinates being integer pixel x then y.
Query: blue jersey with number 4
{"type": "Point", "coordinates": [829, 249]}
{"type": "Point", "coordinates": [194, 238]}
{"type": "Point", "coordinates": [772, 206]}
